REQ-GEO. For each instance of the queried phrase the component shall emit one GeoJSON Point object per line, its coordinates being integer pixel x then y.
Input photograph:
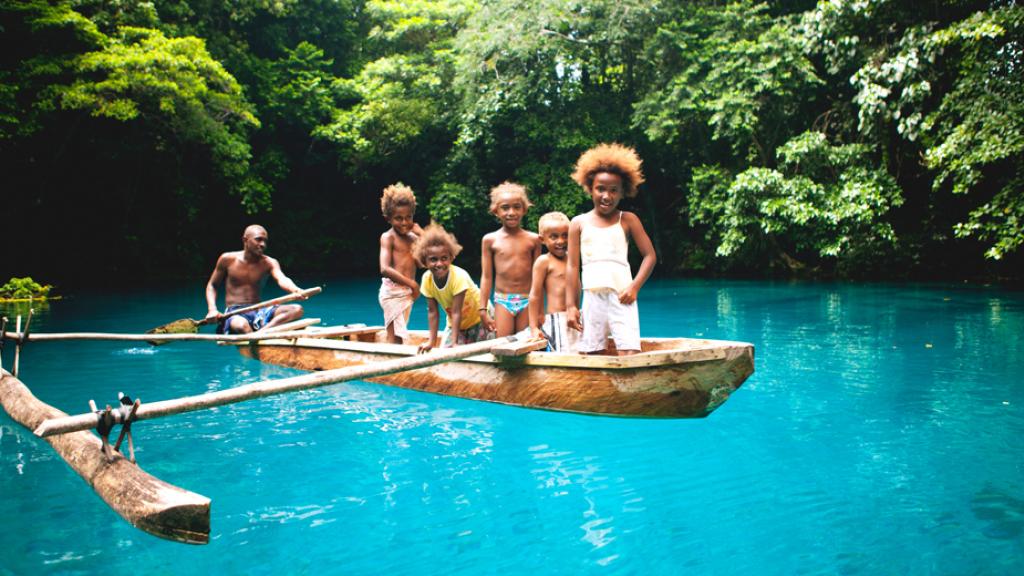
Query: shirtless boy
{"type": "Point", "coordinates": [549, 280]}
{"type": "Point", "coordinates": [399, 288]}
{"type": "Point", "coordinates": [506, 262]}
{"type": "Point", "coordinates": [244, 273]}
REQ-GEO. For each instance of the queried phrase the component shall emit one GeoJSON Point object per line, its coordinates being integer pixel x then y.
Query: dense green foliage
{"type": "Point", "coordinates": [867, 138]}
{"type": "Point", "coordinates": [21, 288]}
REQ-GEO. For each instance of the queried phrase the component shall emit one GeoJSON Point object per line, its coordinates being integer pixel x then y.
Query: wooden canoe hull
{"type": "Point", "coordinates": [685, 382]}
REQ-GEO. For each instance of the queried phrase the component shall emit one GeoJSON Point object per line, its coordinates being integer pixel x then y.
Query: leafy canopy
{"type": "Point", "coordinates": [824, 200]}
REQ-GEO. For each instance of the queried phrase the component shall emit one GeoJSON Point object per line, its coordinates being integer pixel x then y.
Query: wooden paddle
{"type": "Point", "coordinates": [190, 326]}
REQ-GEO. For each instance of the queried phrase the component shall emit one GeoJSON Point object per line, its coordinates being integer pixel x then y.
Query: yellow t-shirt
{"type": "Point", "coordinates": [458, 281]}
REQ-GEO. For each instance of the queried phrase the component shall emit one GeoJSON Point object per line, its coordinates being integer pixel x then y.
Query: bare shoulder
{"type": "Point", "coordinates": [387, 237]}
{"type": "Point", "coordinates": [631, 220]}
{"type": "Point", "coordinates": [542, 261]}
{"type": "Point", "coordinates": [580, 219]}
{"type": "Point", "coordinates": [227, 258]}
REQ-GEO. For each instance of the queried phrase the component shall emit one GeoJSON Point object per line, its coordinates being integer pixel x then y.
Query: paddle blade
{"type": "Point", "coordinates": [183, 326]}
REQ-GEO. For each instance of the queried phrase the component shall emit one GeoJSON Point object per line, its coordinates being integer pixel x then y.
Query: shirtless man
{"type": "Point", "coordinates": [244, 273]}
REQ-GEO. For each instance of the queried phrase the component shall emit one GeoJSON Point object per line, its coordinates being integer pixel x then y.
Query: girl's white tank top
{"type": "Point", "coordinates": [603, 255]}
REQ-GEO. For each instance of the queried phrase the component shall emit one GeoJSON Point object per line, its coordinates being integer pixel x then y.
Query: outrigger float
{"type": "Point", "coordinates": [670, 378]}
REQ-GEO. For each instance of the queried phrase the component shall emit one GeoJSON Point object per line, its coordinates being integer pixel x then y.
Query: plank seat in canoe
{"type": "Point", "coordinates": [669, 378]}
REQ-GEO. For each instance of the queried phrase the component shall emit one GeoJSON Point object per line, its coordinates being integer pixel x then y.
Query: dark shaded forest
{"type": "Point", "coordinates": [873, 139]}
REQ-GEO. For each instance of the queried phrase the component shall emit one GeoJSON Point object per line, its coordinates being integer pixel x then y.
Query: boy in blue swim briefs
{"type": "Point", "coordinates": [506, 262]}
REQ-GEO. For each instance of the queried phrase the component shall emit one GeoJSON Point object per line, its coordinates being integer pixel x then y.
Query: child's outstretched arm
{"type": "Point", "coordinates": [636, 231]}
{"type": "Point", "coordinates": [432, 322]}
{"type": "Point", "coordinates": [486, 279]}
{"type": "Point", "coordinates": [572, 277]}
{"type": "Point", "coordinates": [536, 306]}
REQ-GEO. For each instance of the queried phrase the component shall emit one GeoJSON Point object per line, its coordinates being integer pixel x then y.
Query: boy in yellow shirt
{"type": "Point", "coordinates": [450, 287]}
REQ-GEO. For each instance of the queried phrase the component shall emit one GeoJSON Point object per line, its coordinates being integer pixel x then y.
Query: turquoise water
{"type": "Point", "coordinates": [880, 434]}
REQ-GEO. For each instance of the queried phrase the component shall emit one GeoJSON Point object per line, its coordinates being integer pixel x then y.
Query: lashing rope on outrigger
{"type": "Point", "coordinates": [106, 422]}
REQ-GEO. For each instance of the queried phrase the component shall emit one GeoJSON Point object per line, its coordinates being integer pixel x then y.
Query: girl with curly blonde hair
{"type": "Point", "coordinates": [599, 242]}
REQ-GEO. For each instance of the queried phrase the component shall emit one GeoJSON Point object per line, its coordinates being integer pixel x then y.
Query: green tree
{"type": "Point", "coordinates": [731, 73]}
{"type": "Point", "coordinates": [400, 97]}
{"type": "Point", "coordinates": [941, 84]}
{"type": "Point", "coordinates": [171, 82]}
{"type": "Point", "coordinates": [38, 50]}
{"type": "Point", "coordinates": [823, 201]}
{"type": "Point", "coordinates": [538, 82]}
{"type": "Point", "coordinates": [728, 84]}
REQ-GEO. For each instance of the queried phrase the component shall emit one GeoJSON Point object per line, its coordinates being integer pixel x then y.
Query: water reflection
{"type": "Point", "coordinates": [1001, 513]}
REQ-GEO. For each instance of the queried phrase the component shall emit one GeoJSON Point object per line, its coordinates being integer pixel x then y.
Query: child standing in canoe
{"type": "Point", "coordinates": [549, 281]}
{"type": "Point", "coordinates": [398, 288]}
{"type": "Point", "coordinates": [450, 287]}
{"type": "Point", "coordinates": [599, 240]}
{"type": "Point", "coordinates": [506, 261]}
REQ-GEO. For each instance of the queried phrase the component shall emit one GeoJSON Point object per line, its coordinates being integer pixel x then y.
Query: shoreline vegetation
{"type": "Point", "coordinates": [20, 290]}
{"type": "Point", "coordinates": [808, 139]}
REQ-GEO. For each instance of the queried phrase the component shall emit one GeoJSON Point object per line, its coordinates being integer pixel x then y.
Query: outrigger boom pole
{"type": "Point", "coordinates": [294, 384]}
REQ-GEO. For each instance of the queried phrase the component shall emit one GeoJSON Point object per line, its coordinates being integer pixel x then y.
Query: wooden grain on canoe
{"type": "Point", "coordinates": [673, 378]}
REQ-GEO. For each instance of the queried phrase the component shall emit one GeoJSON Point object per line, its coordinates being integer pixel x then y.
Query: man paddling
{"type": "Point", "coordinates": [244, 273]}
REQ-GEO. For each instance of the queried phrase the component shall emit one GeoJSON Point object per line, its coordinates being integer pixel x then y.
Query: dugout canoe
{"type": "Point", "coordinates": [670, 378]}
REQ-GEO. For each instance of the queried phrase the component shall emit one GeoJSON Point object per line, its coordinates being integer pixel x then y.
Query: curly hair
{"type": "Point", "coordinates": [394, 196]}
{"type": "Point", "coordinates": [550, 220]}
{"type": "Point", "coordinates": [509, 187]}
{"type": "Point", "coordinates": [614, 159]}
{"type": "Point", "coordinates": [434, 235]}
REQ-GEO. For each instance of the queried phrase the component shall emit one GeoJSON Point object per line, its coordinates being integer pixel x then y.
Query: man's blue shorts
{"type": "Point", "coordinates": [257, 318]}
